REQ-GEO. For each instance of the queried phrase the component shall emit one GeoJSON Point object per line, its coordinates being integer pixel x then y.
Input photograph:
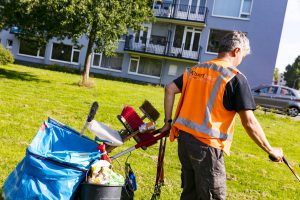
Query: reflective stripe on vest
{"type": "Point", "coordinates": [203, 128]}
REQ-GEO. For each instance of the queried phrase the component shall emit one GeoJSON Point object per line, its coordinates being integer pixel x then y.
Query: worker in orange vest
{"type": "Point", "coordinates": [211, 95]}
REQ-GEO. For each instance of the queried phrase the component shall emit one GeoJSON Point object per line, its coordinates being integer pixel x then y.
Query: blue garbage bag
{"type": "Point", "coordinates": [56, 162]}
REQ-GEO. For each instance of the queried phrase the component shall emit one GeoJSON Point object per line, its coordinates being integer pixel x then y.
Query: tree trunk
{"type": "Point", "coordinates": [88, 56]}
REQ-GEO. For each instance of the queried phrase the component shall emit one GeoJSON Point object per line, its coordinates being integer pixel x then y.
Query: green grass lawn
{"type": "Point", "coordinates": [29, 95]}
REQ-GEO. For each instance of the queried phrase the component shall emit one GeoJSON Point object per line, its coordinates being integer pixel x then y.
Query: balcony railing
{"type": "Point", "coordinates": [180, 11]}
{"type": "Point", "coordinates": [161, 49]}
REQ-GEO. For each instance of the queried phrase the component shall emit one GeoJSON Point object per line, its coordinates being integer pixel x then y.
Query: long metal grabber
{"type": "Point", "coordinates": [288, 164]}
{"type": "Point", "coordinates": [290, 167]}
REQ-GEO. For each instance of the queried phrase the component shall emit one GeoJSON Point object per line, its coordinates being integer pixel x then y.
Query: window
{"type": "Point", "coordinates": [178, 36]}
{"type": "Point", "coordinates": [172, 70]}
{"type": "Point", "coordinates": [65, 53]}
{"type": "Point", "coordinates": [262, 90]}
{"type": "Point", "coordinates": [31, 48]}
{"type": "Point", "coordinates": [272, 90]}
{"type": "Point", "coordinates": [96, 60]}
{"type": "Point", "coordinates": [233, 8]}
{"type": "Point", "coordinates": [158, 40]}
{"type": "Point", "coordinates": [112, 62]}
{"type": "Point", "coordinates": [101, 61]}
{"type": "Point", "coordinates": [215, 36]}
{"type": "Point", "coordinates": [267, 90]}
{"type": "Point", "coordinates": [9, 44]}
{"type": "Point", "coordinates": [286, 92]}
{"type": "Point", "coordinates": [145, 66]}
{"type": "Point", "coordinates": [134, 63]}
{"type": "Point", "coordinates": [75, 55]}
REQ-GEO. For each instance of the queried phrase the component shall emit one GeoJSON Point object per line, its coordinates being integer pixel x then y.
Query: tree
{"type": "Point", "coordinates": [292, 74]}
{"type": "Point", "coordinates": [276, 74]}
{"type": "Point", "coordinates": [102, 22]}
{"type": "Point", "coordinates": [1, 12]}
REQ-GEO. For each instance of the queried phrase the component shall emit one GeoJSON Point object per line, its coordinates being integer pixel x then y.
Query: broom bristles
{"type": "Point", "coordinates": [131, 117]}
{"type": "Point", "coordinates": [148, 110]}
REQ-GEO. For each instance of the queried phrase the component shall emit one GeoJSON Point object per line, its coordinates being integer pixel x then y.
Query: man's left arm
{"type": "Point", "coordinates": [256, 133]}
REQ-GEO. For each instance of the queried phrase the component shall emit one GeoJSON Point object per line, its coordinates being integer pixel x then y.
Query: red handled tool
{"type": "Point", "coordinates": [147, 139]}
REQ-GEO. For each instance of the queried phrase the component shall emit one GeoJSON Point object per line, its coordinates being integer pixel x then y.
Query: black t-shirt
{"type": "Point", "coordinates": [237, 95]}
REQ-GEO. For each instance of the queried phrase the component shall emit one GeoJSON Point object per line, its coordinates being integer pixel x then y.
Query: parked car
{"type": "Point", "coordinates": [278, 97]}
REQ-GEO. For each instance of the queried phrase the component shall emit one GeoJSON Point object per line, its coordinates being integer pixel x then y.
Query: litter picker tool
{"type": "Point", "coordinates": [160, 170]}
{"type": "Point", "coordinates": [150, 140]}
{"type": "Point", "coordinates": [289, 166]}
{"type": "Point", "coordinates": [91, 116]}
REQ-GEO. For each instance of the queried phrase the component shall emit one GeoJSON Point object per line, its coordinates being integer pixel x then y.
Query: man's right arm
{"type": "Point", "coordinates": [256, 133]}
{"type": "Point", "coordinates": [170, 91]}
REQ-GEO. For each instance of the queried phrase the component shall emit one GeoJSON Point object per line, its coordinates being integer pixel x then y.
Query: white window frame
{"type": "Point", "coordinates": [72, 55]}
{"type": "Point", "coordinates": [7, 46]}
{"type": "Point", "coordinates": [137, 58]}
{"type": "Point", "coordinates": [31, 56]}
{"type": "Point", "coordinates": [193, 30]}
{"type": "Point", "coordinates": [240, 13]}
{"type": "Point", "coordinates": [71, 59]}
{"type": "Point", "coordinates": [100, 61]}
{"type": "Point", "coordinates": [241, 10]}
{"type": "Point", "coordinates": [172, 71]}
{"type": "Point", "coordinates": [141, 32]}
{"type": "Point", "coordinates": [92, 60]}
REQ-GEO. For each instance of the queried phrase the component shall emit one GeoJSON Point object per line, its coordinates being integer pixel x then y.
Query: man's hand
{"type": "Point", "coordinates": [257, 134]}
{"type": "Point", "coordinates": [165, 128]}
{"type": "Point", "coordinates": [276, 154]}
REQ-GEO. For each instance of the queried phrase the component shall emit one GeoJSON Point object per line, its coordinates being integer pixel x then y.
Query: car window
{"type": "Point", "coordinates": [272, 90]}
{"type": "Point", "coordinates": [267, 90]}
{"type": "Point", "coordinates": [286, 92]}
{"type": "Point", "coordinates": [262, 90]}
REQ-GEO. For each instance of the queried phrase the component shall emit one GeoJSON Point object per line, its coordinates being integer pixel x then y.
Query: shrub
{"type": "Point", "coordinates": [5, 56]}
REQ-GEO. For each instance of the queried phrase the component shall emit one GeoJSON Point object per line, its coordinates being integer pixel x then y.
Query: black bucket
{"type": "Point", "coordinates": [89, 191]}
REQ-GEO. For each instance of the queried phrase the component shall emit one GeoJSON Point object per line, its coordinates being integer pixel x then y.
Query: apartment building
{"type": "Point", "coordinates": [184, 33]}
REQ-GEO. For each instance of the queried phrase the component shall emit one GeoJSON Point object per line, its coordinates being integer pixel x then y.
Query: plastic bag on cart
{"type": "Point", "coordinates": [56, 162]}
{"type": "Point", "coordinates": [102, 173]}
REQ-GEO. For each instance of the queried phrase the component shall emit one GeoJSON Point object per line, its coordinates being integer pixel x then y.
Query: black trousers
{"type": "Point", "coordinates": [203, 171]}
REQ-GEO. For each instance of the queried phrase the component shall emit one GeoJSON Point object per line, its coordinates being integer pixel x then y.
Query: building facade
{"type": "Point", "coordinates": [184, 33]}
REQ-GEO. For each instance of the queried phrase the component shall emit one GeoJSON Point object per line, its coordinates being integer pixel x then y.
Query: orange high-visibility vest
{"type": "Point", "coordinates": [200, 110]}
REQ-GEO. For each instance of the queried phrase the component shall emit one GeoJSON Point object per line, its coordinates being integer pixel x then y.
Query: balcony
{"type": "Point", "coordinates": [151, 48]}
{"type": "Point", "coordinates": [180, 12]}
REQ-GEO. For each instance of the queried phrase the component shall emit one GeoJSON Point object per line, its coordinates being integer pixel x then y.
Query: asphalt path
{"type": "Point", "coordinates": [280, 115]}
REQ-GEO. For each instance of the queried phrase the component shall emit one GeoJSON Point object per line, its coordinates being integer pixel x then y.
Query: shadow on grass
{"type": "Point", "coordinates": [23, 76]}
{"type": "Point", "coordinates": [71, 70]}
{"type": "Point", "coordinates": [54, 67]}
{"type": "Point", "coordinates": [112, 78]}
{"type": "Point", "coordinates": [119, 79]}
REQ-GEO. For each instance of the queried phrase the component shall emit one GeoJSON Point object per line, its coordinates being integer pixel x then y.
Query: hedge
{"type": "Point", "coordinates": [5, 56]}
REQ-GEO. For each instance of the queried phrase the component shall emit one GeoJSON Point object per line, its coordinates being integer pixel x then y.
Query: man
{"type": "Point", "coordinates": [211, 95]}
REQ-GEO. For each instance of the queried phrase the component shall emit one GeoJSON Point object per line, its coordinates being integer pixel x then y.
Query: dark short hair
{"type": "Point", "coordinates": [235, 39]}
